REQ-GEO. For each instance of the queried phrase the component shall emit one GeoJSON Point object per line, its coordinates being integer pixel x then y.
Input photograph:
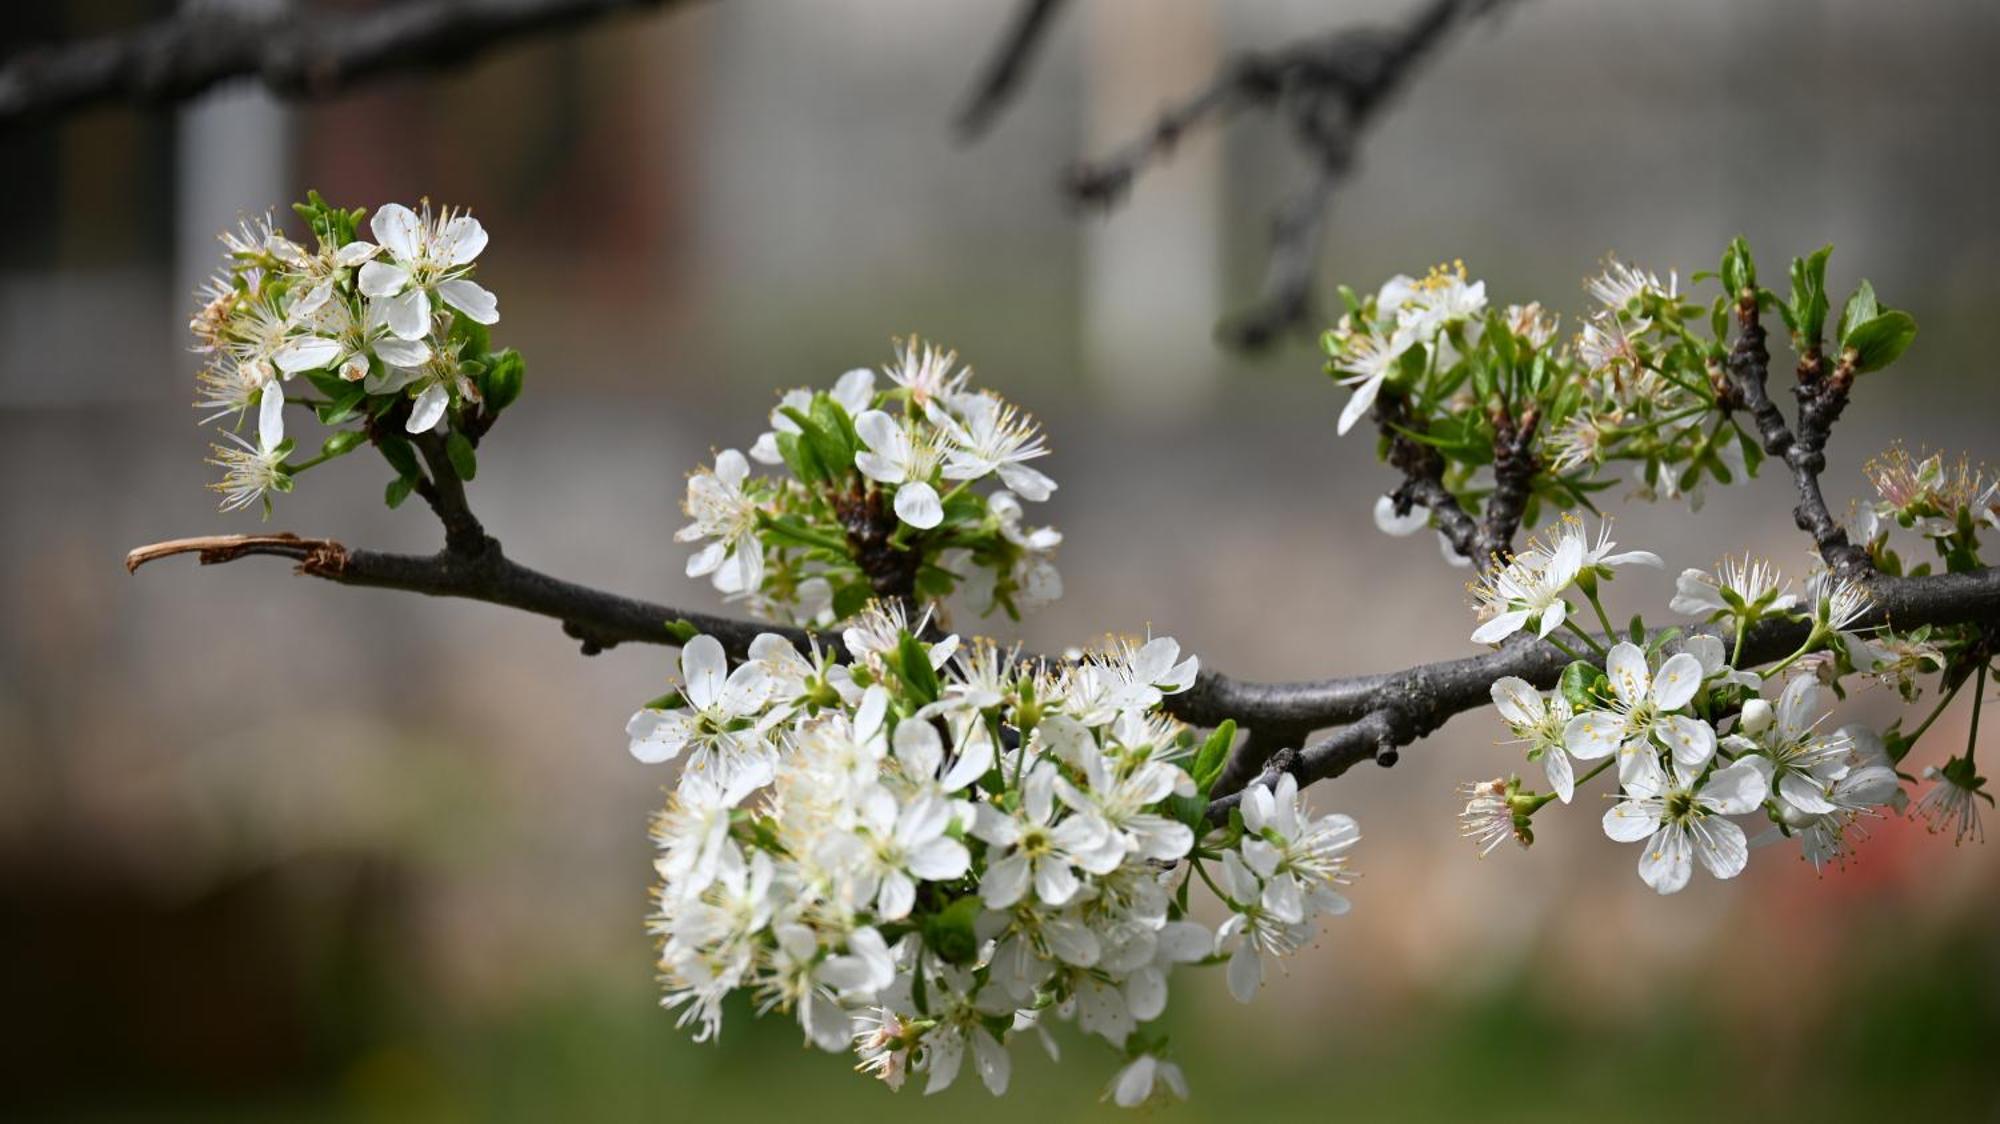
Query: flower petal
{"type": "Point", "coordinates": [472, 299]}
{"type": "Point", "coordinates": [428, 409]}
{"type": "Point", "coordinates": [917, 504]}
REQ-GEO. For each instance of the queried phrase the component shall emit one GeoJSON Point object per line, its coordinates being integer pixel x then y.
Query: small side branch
{"type": "Point", "coordinates": [1514, 468]}
{"type": "Point", "coordinates": [1330, 90]}
{"type": "Point", "coordinates": [598, 619]}
{"type": "Point", "coordinates": [1423, 479]}
{"type": "Point", "coordinates": [1002, 77]}
{"type": "Point", "coordinates": [1821, 400]}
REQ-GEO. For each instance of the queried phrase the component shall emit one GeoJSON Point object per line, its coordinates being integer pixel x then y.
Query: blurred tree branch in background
{"type": "Point", "coordinates": [291, 52]}
{"type": "Point", "coordinates": [1329, 90]}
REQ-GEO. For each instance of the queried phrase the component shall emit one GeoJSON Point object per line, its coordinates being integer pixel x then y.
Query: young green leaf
{"type": "Point", "coordinates": [464, 462]}
{"type": "Point", "coordinates": [1881, 340]}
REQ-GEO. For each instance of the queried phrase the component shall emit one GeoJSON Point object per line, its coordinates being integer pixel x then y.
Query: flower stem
{"type": "Point", "coordinates": [1594, 770]}
{"type": "Point", "coordinates": [1225, 899]}
{"type": "Point", "coordinates": [1587, 637]}
{"type": "Point", "coordinates": [1812, 642]}
{"type": "Point", "coordinates": [1978, 696]}
{"type": "Point", "coordinates": [1603, 618]}
{"type": "Point", "coordinates": [1911, 742]}
{"type": "Point", "coordinates": [1562, 647]}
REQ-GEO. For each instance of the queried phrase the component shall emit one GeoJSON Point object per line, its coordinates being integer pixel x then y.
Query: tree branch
{"type": "Point", "coordinates": [1821, 400]}
{"type": "Point", "coordinates": [445, 492]}
{"type": "Point", "coordinates": [1381, 712]}
{"type": "Point", "coordinates": [293, 53]}
{"type": "Point", "coordinates": [1331, 89]}
{"type": "Point", "coordinates": [1009, 65]}
{"type": "Point", "coordinates": [1422, 467]}
{"type": "Point", "coordinates": [599, 619]}
{"type": "Point", "coordinates": [1385, 712]}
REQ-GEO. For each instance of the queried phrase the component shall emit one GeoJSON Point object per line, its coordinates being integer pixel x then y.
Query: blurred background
{"type": "Point", "coordinates": [272, 849]}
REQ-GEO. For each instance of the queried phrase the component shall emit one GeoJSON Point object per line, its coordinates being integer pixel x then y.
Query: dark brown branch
{"type": "Point", "coordinates": [1385, 712]}
{"type": "Point", "coordinates": [1330, 90]}
{"type": "Point", "coordinates": [293, 53]}
{"type": "Point", "coordinates": [1514, 468]}
{"type": "Point", "coordinates": [598, 619]}
{"type": "Point", "coordinates": [445, 492]}
{"type": "Point", "coordinates": [1382, 712]}
{"type": "Point", "coordinates": [1423, 485]}
{"type": "Point", "coordinates": [1821, 400]}
{"type": "Point", "coordinates": [1009, 65]}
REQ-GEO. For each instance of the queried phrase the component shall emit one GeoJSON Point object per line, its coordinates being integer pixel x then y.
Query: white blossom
{"type": "Point", "coordinates": [1528, 591]}
{"type": "Point", "coordinates": [1643, 711]}
{"type": "Point", "coordinates": [1681, 824]}
{"type": "Point", "coordinates": [900, 455]}
{"type": "Point", "coordinates": [425, 256]}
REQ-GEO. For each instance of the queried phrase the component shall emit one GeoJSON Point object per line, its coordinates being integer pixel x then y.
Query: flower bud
{"type": "Point", "coordinates": [1756, 716]}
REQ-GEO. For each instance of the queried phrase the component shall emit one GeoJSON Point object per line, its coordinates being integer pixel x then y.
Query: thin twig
{"type": "Point", "coordinates": [1009, 65]}
{"type": "Point", "coordinates": [1330, 89]}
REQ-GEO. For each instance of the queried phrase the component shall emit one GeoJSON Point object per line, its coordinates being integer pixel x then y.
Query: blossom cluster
{"type": "Point", "coordinates": [878, 491]}
{"type": "Point", "coordinates": [1645, 381]}
{"type": "Point", "coordinates": [1698, 735]}
{"type": "Point", "coordinates": [1633, 385]}
{"type": "Point", "coordinates": [934, 851]}
{"type": "Point", "coordinates": [1948, 505]}
{"type": "Point", "coordinates": [390, 335]}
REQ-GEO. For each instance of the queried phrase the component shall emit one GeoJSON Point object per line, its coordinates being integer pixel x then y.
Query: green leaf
{"type": "Point", "coordinates": [1577, 680]}
{"type": "Point", "coordinates": [1860, 309]}
{"type": "Point", "coordinates": [399, 454]}
{"type": "Point", "coordinates": [682, 630]}
{"type": "Point", "coordinates": [472, 334]}
{"type": "Point", "coordinates": [838, 451]}
{"type": "Point", "coordinates": [829, 448]}
{"type": "Point", "coordinates": [849, 599]}
{"type": "Point", "coordinates": [398, 491]}
{"type": "Point", "coordinates": [328, 383]}
{"type": "Point", "coordinates": [1878, 342]}
{"type": "Point", "coordinates": [340, 405]}
{"type": "Point", "coordinates": [501, 384]}
{"type": "Point", "coordinates": [798, 457]}
{"type": "Point", "coordinates": [1809, 303]}
{"type": "Point", "coordinates": [1190, 810]}
{"type": "Point", "coordinates": [464, 461]}
{"type": "Point", "coordinates": [1739, 270]}
{"type": "Point", "coordinates": [1213, 755]}
{"type": "Point", "coordinates": [950, 934]}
